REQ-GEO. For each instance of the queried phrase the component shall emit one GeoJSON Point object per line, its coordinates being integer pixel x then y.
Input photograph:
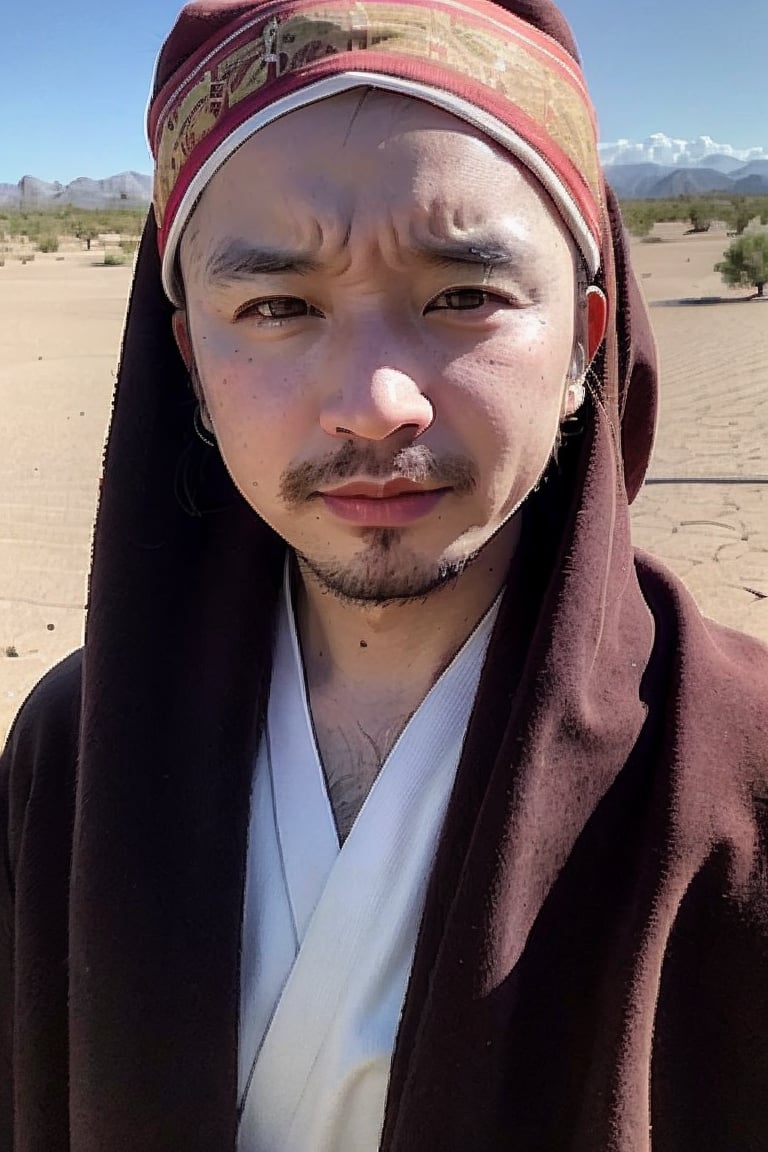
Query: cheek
{"type": "Point", "coordinates": [508, 394]}
{"type": "Point", "coordinates": [258, 425]}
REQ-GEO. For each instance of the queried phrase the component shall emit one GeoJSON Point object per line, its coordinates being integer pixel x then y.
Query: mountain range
{"type": "Point", "coordinates": [659, 181]}
{"type": "Point", "coordinates": [126, 190]}
{"type": "Point", "coordinates": [665, 166]}
{"type": "Point", "coordinates": [656, 168]}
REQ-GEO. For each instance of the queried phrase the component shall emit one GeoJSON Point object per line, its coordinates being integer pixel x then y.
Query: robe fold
{"type": "Point", "coordinates": [590, 971]}
{"type": "Point", "coordinates": [329, 933]}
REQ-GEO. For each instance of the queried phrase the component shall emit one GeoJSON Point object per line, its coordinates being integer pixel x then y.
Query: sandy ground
{"type": "Point", "coordinates": [61, 323]}
{"type": "Point", "coordinates": [59, 340]}
{"type": "Point", "coordinates": [713, 422]}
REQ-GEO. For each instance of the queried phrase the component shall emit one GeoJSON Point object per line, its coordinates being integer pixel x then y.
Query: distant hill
{"type": "Point", "coordinates": [636, 181]}
{"type": "Point", "coordinates": [692, 182]}
{"type": "Point", "coordinates": [659, 181]}
{"type": "Point", "coordinates": [720, 162]}
{"type": "Point", "coordinates": [751, 186]}
{"type": "Point", "coordinates": [754, 168]}
{"type": "Point", "coordinates": [126, 190]}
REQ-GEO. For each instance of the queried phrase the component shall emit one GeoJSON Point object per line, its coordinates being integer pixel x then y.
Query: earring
{"type": "Point", "coordinates": [579, 394]}
{"type": "Point", "coordinates": [575, 396]}
{"type": "Point", "coordinates": [578, 363]}
{"type": "Point", "coordinates": [200, 429]}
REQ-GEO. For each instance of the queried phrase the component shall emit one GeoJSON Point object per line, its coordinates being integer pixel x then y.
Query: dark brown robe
{"type": "Point", "coordinates": [591, 973]}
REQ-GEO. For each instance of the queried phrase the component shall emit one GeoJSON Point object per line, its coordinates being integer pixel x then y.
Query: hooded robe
{"type": "Point", "coordinates": [591, 970]}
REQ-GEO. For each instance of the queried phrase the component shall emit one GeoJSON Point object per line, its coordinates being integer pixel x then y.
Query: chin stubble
{"type": "Point", "coordinates": [378, 577]}
{"type": "Point", "coordinates": [381, 573]}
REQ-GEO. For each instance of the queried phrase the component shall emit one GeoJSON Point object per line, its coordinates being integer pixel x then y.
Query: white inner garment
{"type": "Point", "coordinates": [329, 933]}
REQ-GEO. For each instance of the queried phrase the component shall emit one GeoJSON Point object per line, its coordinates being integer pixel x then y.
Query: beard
{"type": "Point", "coordinates": [382, 574]}
{"type": "Point", "coordinates": [384, 571]}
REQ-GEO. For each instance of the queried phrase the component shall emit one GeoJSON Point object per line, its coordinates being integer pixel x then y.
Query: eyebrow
{"type": "Point", "coordinates": [478, 252]}
{"type": "Point", "coordinates": [235, 260]}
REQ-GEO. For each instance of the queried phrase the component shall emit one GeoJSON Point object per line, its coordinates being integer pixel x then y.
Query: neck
{"type": "Point", "coordinates": [397, 648]}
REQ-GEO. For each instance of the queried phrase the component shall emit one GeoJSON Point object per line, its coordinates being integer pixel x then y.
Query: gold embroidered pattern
{"type": "Point", "coordinates": [510, 67]}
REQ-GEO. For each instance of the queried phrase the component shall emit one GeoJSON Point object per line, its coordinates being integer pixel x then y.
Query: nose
{"type": "Point", "coordinates": [368, 396]}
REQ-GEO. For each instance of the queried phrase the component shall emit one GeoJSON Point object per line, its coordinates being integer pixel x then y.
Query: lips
{"type": "Point", "coordinates": [371, 490]}
{"type": "Point", "coordinates": [391, 504]}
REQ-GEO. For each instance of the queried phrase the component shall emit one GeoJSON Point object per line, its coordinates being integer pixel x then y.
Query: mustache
{"type": "Point", "coordinates": [416, 463]}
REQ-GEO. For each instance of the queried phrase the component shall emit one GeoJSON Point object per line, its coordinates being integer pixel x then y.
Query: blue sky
{"type": "Point", "coordinates": [80, 73]}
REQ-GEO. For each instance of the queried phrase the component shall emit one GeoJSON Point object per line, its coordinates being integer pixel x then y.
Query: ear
{"type": "Point", "coordinates": [182, 337]}
{"type": "Point", "coordinates": [597, 320]}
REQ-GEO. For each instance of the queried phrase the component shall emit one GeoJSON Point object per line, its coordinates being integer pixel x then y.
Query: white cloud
{"type": "Point", "coordinates": [661, 149]}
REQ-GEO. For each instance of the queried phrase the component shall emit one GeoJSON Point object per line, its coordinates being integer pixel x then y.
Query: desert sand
{"type": "Point", "coordinates": [62, 317]}
{"type": "Point", "coordinates": [713, 423]}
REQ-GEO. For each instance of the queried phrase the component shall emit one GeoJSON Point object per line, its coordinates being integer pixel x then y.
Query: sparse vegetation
{"type": "Point", "coordinates": [746, 262]}
{"type": "Point", "coordinates": [33, 226]}
{"type": "Point", "coordinates": [25, 231]}
{"type": "Point", "coordinates": [701, 217]}
{"type": "Point", "coordinates": [742, 218]}
{"type": "Point", "coordinates": [639, 217]}
{"type": "Point", "coordinates": [735, 213]}
{"type": "Point", "coordinates": [88, 232]}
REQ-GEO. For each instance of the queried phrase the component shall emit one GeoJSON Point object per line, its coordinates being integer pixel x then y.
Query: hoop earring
{"type": "Point", "coordinates": [579, 393]}
{"type": "Point", "coordinates": [201, 431]}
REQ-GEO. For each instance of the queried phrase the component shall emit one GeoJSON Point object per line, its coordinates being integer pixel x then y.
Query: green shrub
{"type": "Point", "coordinates": [638, 217]}
{"type": "Point", "coordinates": [48, 243]}
{"type": "Point", "coordinates": [746, 263]}
{"type": "Point", "coordinates": [697, 209]}
{"type": "Point", "coordinates": [113, 259]}
{"type": "Point", "coordinates": [83, 223]}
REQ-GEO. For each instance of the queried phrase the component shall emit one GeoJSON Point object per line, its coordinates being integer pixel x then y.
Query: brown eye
{"type": "Point", "coordinates": [463, 300]}
{"type": "Point", "coordinates": [276, 308]}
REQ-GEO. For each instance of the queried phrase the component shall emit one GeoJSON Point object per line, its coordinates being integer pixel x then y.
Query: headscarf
{"type": "Point", "coordinates": [592, 953]}
{"type": "Point", "coordinates": [262, 61]}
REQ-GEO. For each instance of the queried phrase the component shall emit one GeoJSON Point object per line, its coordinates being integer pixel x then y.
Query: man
{"type": "Point", "coordinates": [394, 802]}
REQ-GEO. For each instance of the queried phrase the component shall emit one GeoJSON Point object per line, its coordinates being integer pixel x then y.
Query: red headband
{"type": "Point", "coordinates": [473, 59]}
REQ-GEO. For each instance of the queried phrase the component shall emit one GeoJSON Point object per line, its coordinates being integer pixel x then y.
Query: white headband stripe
{"type": "Point", "coordinates": [331, 86]}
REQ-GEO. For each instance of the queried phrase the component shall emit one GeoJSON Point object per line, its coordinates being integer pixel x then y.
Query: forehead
{"type": "Point", "coordinates": [369, 159]}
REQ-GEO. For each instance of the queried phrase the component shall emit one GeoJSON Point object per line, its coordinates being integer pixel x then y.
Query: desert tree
{"type": "Point", "coordinates": [743, 211]}
{"type": "Point", "coordinates": [639, 217]}
{"type": "Point", "coordinates": [746, 262]}
{"type": "Point", "coordinates": [701, 217]}
{"type": "Point", "coordinates": [87, 231]}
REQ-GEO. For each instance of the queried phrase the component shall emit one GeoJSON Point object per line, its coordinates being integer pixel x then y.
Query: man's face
{"type": "Point", "coordinates": [381, 310]}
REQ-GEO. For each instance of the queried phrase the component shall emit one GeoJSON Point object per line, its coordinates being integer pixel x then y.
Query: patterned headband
{"type": "Point", "coordinates": [471, 58]}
